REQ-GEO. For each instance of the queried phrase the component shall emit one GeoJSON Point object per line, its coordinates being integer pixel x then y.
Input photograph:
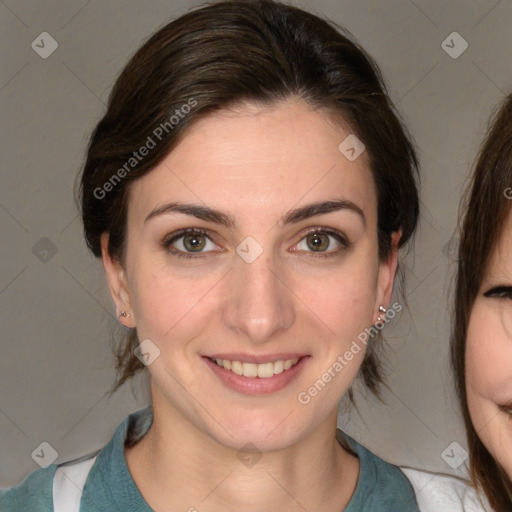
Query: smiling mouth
{"type": "Point", "coordinates": [262, 370]}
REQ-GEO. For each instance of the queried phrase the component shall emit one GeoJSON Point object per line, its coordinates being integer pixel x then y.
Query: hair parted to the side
{"type": "Point", "coordinates": [220, 56]}
{"type": "Point", "coordinates": [485, 208]}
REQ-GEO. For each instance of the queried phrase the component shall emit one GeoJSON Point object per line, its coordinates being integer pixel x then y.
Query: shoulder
{"type": "Point", "coordinates": [454, 494]}
{"type": "Point", "coordinates": [381, 487]}
{"type": "Point", "coordinates": [103, 475]}
{"type": "Point", "coordinates": [33, 494]}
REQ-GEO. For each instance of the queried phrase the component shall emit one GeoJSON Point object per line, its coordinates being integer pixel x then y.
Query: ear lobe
{"type": "Point", "coordinates": [387, 272]}
{"type": "Point", "coordinates": [117, 283]}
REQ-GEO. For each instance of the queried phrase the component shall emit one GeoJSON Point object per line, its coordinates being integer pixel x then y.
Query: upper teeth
{"type": "Point", "coordinates": [263, 370]}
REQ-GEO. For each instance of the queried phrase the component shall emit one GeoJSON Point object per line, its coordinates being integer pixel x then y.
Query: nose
{"type": "Point", "coordinates": [259, 304]}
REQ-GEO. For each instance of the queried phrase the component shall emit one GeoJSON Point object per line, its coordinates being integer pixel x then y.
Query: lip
{"type": "Point", "coordinates": [256, 386]}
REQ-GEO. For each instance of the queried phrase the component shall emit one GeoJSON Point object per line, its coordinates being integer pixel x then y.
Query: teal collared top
{"type": "Point", "coordinates": [381, 487]}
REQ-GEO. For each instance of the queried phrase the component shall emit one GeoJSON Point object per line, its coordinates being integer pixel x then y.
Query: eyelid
{"type": "Point", "coordinates": [175, 235]}
{"type": "Point", "coordinates": [501, 291]}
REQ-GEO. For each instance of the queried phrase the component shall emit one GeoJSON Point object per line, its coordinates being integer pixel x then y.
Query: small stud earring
{"type": "Point", "coordinates": [382, 309]}
{"type": "Point", "coordinates": [124, 314]}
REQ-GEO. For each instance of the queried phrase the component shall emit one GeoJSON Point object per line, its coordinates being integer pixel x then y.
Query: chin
{"type": "Point", "coordinates": [261, 432]}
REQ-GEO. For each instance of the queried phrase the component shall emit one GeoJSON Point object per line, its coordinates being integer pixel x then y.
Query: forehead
{"type": "Point", "coordinates": [254, 160]}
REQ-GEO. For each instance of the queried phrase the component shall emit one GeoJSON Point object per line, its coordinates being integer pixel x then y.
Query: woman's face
{"type": "Point", "coordinates": [489, 355]}
{"type": "Point", "coordinates": [248, 283]}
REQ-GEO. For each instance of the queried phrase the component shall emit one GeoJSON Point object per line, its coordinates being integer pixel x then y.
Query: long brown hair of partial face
{"type": "Point", "coordinates": [486, 208]}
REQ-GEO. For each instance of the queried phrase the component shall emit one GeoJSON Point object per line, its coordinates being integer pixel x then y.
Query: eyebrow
{"type": "Point", "coordinates": [321, 208]}
{"type": "Point", "coordinates": [292, 217]}
{"type": "Point", "coordinates": [201, 212]}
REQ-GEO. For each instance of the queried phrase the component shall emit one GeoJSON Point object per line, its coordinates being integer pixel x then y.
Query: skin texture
{"type": "Point", "coordinates": [254, 164]}
{"type": "Point", "coordinates": [489, 356]}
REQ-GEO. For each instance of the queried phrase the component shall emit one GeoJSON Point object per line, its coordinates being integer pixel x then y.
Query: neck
{"type": "Point", "coordinates": [178, 467]}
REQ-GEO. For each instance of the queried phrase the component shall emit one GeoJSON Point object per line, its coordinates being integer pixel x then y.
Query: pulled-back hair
{"type": "Point", "coordinates": [220, 56]}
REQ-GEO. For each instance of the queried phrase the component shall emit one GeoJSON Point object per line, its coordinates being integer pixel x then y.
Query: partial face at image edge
{"type": "Point", "coordinates": [489, 354]}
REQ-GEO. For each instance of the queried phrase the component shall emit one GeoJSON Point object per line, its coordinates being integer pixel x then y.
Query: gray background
{"type": "Point", "coordinates": [56, 362]}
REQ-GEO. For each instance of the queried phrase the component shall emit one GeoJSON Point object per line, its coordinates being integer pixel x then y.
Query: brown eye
{"type": "Point", "coordinates": [189, 243]}
{"type": "Point", "coordinates": [194, 242]}
{"type": "Point", "coordinates": [318, 242]}
{"type": "Point", "coordinates": [323, 242]}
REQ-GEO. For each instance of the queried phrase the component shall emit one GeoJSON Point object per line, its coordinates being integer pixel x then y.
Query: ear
{"type": "Point", "coordinates": [386, 276]}
{"type": "Point", "coordinates": [117, 283]}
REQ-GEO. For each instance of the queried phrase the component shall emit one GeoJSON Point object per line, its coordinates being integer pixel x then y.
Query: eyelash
{"type": "Point", "coordinates": [500, 292]}
{"type": "Point", "coordinates": [170, 239]}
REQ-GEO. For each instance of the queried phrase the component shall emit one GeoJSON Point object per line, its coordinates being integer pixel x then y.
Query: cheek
{"type": "Point", "coordinates": [344, 302]}
{"type": "Point", "coordinates": [337, 307]}
{"type": "Point", "coordinates": [165, 301]}
{"type": "Point", "coordinates": [488, 354]}
{"type": "Point", "coordinates": [488, 371]}
{"type": "Point", "coordinates": [479, 360]}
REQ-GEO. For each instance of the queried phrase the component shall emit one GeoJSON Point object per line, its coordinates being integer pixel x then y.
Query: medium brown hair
{"type": "Point", "coordinates": [220, 56]}
{"type": "Point", "coordinates": [486, 208]}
